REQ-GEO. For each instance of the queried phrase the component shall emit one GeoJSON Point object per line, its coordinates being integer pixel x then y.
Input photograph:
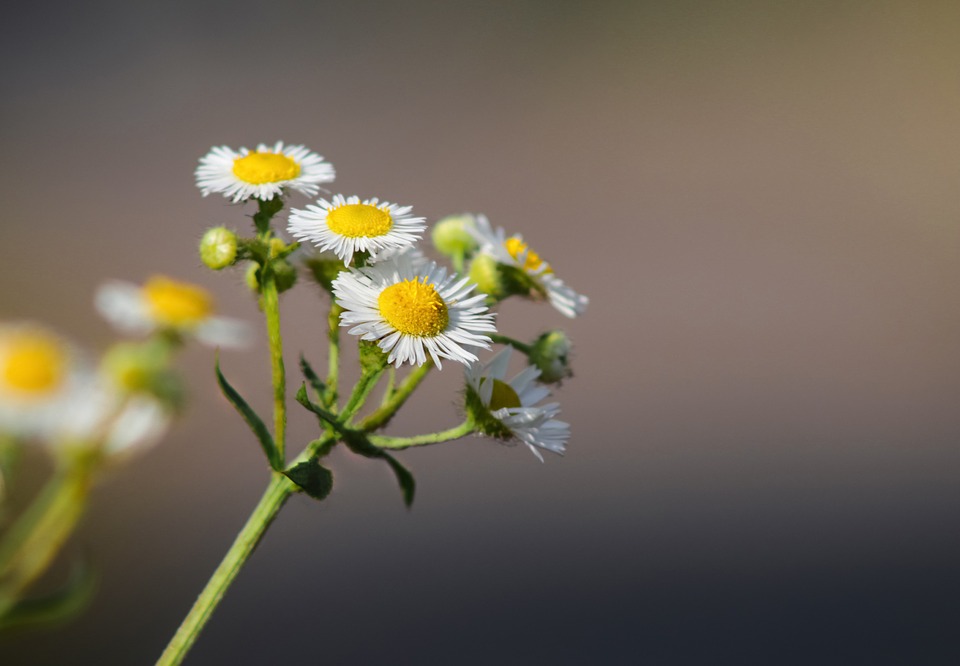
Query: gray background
{"type": "Point", "coordinates": [760, 199]}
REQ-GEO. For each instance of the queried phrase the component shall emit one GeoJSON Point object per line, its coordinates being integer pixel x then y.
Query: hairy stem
{"type": "Point", "coordinates": [385, 412]}
{"type": "Point", "coordinates": [270, 302]}
{"type": "Point", "coordinates": [462, 430]}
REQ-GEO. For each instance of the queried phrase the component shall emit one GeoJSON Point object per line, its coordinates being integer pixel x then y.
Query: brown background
{"type": "Point", "coordinates": [760, 199]}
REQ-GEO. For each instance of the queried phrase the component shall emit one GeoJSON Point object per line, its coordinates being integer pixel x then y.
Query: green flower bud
{"type": "Point", "coordinates": [485, 271]}
{"type": "Point", "coordinates": [325, 271]}
{"type": "Point", "coordinates": [451, 235]}
{"type": "Point", "coordinates": [284, 274]}
{"type": "Point", "coordinates": [550, 353]}
{"type": "Point", "coordinates": [143, 368]}
{"type": "Point", "coordinates": [218, 248]}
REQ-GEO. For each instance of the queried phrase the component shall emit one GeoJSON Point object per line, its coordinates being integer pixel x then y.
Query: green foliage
{"type": "Point", "coordinates": [253, 421]}
{"type": "Point", "coordinates": [312, 478]}
{"type": "Point", "coordinates": [58, 607]}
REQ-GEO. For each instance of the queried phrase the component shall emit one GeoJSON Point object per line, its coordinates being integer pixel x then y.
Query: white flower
{"type": "Point", "coordinates": [413, 311]}
{"type": "Point", "coordinates": [346, 225]}
{"type": "Point", "coordinates": [40, 375]}
{"type": "Point", "coordinates": [263, 173]}
{"type": "Point", "coordinates": [165, 304]}
{"type": "Point", "coordinates": [513, 251]}
{"type": "Point", "coordinates": [512, 405]}
{"type": "Point", "coordinates": [118, 422]}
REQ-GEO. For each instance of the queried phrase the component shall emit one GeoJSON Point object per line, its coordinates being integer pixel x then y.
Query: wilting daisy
{"type": "Point", "coordinates": [346, 225]}
{"type": "Point", "coordinates": [168, 305]}
{"type": "Point", "coordinates": [507, 409]}
{"type": "Point", "coordinates": [262, 173]}
{"type": "Point", "coordinates": [513, 251]}
{"type": "Point", "coordinates": [413, 312]}
{"type": "Point", "coordinates": [39, 376]}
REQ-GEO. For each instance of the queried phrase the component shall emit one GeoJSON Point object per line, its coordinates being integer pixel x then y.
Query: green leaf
{"type": "Point", "coordinates": [61, 606]}
{"type": "Point", "coordinates": [372, 358]}
{"type": "Point", "coordinates": [312, 376]}
{"type": "Point", "coordinates": [313, 478]}
{"type": "Point", "coordinates": [254, 421]}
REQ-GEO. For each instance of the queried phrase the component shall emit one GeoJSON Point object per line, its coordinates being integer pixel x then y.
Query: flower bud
{"type": "Point", "coordinates": [451, 235]}
{"type": "Point", "coordinates": [143, 368]}
{"type": "Point", "coordinates": [252, 277]}
{"type": "Point", "coordinates": [550, 353]}
{"type": "Point", "coordinates": [218, 248]}
{"type": "Point", "coordinates": [284, 274]}
{"type": "Point", "coordinates": [485, 271]}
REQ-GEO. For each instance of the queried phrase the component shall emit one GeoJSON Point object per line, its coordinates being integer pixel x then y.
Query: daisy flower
{"type": "Point", "coordinates": [162, 304]}
{"type": "Point", "coordinates": [513, 251]}
{"type": "Point", "coordinates": [263, 173]}
{"type": "Point", "coordinates": [413, 311]}
{"type": "Point", "coordinates": [346, 225]}
{"type": "Point", "coordinates": [507, 409]}
{"type": "Point", "coordinates": [40, 374]}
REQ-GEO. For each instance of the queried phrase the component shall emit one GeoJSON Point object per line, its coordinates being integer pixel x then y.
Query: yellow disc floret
{"type": "Point", "coordinates": [175, 303]}
{"type": "Point", "coordinates": [414, 308]}
{"type": "Point", "coordinates": [502, 396]}
{"type": "Point", "coordinates": [359, 221]}
{"type": "Point", "coordinates": [260, 168]}
{"type": "Point", "coordinates": [33, 364]}
{"type": "Point", "coordinates": [532, 261]}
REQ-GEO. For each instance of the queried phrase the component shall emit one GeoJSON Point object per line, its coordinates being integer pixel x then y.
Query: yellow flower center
{"type": "Point", "coordinates": [359, 221]}
{"type": "Point", "coordinates": [414, 308]}
{"type": "Point", "coordinates": [502, 395]}
{"type": "Point", "coordinates": [177, 303]}
{"type": "Point", "coordinates": [34, 364]}
{"type": "Point", "coordinates": [260, 168]}
{"type": "Point", "coordinates": [532, 261]}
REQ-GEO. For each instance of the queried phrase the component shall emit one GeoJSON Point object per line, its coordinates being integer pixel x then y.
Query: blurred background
{"type": "Point", "coordinates": [760, 199]}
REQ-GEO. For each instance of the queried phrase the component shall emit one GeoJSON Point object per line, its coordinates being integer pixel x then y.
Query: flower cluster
{"type": "Point", "coordinates": [413, 309]}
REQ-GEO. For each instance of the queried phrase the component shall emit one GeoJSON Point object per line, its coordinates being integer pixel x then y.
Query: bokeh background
{"type": "Point", "coordinates": [760, 198]}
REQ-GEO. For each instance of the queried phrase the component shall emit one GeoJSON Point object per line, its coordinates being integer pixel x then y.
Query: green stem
{"type": "Point", "coordinates": [385, 412]}
{"type": "Point", "coordinates": [273, 499]}
{"type": "Point", "coordinates": [37, 537]}
{"type": "Point", "coordinates": [360, 392]}
{"type": "Point", "coordinates": [459, 431]}
{"type": "Point", "coordinates": [270, 302]}
{"type": "Point", "coordinates": [391, 385]}
{"type": "Point", "coordinates": [506, 340]}
{"type": "Point", "coordinates": [333, 335]}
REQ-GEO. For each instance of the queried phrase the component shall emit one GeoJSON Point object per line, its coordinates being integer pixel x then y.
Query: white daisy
{"type": "Point", "coordinates": [263, 173]}
{"type": "Point", "coordinates": [117, 422]}
{"type": "Point", "coordinates": [40, 375]}
{"type": "Point", "coordinates": [413, 312]}
{"type": "Point", "coordinates": [168, 305]}
{"type": "Point", "coordinates": [513, 251]}
{"type": "Point", "coordinates": [507, 409]}
{"type": "Point", "coordinates": [346, 225]}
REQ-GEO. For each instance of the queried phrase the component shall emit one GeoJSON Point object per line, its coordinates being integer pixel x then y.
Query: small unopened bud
{"type": "Point", "coordinates": [284, 274]}
{"type": "Point", "coordinates": [550, 353]}
{"type": "Point", "coordinates": [451, 235]}
{"type": "Point", "coordinates": [485, 271]}
{"type": "Point", "coordinates": [143, 368]}
{"type": "Point", "coordinates": [218, 248]}
{"type": "Point", "coordinates": [252, 277]}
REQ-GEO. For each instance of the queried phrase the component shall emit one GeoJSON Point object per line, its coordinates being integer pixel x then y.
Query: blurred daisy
{"type": "Point", "coordinates": [413, 311]}
{"type": "Point", "coordinates": [117, 422]}
{"type": "Point", "coordinates": [346, 225]}
{"type": "Point", "coordinates": [162, 304]}
{"type": "Point", "coordinates": [39, 376]}
{"type": "Point", "coordinates": [513, 251]}
{"type": "Point", "coordinates": [263, 173]}
{"type": "Point", "coordinates": [507, 409]}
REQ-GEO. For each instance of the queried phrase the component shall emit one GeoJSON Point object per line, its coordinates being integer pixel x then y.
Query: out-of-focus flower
{"type": "Point", "coordinates": [163, 304]}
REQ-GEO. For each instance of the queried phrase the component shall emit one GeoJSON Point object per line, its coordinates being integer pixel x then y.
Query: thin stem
{"type": "Point", "coordinates": [457, 432]}
{"type": "Point", "coordinates": [273, 499]}
{"type": "Point", "coordinates": [506, 340]}
{"type": "Point", "coordinates": [37, 537]}
{"type": "Point", "coordinates": [270, 302]}
{"type": "Point", "coordinates": [385, 412]}
{"type": "Point", "coordinates": [333, 335]}
{"type": "Point", "coordinates": [391, 385]}
{"type": "Point", "coordinates": [360, 392]}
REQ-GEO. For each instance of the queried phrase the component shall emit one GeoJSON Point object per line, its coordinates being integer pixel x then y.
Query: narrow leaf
{"type": "Point", "coordinates": [408, 486]}
{"type": "Point", "coordinates": [313, 478]}
{"type": "Point", "coordinates": [254, 421]}
{"type": "Point", "coordinates": [56, 608]}
{"type": "Point", "coordinates": [311, 376]}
